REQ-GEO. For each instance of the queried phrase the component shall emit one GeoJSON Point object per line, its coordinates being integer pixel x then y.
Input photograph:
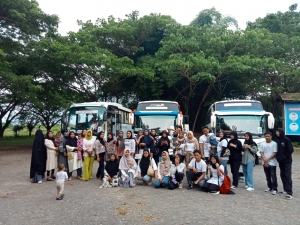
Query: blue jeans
{"type": "Point", "coordinates": [147, 178]}
{"type": "Point", "coordinates": [248, 174]}
{"type": "Point", "coordinates": [224, 163]}
{"type": "Point", "coordinates": [164, 183]}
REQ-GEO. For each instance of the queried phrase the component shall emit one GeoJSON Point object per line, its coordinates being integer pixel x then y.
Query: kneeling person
{"type": "Point", "coordinates": [217, 177]}
{"type": "Point", "coordinates": [196, 171]}
{"type": "Point", "coordinates": [143, 166]}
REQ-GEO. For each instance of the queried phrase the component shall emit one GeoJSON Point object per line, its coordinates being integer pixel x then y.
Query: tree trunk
{"type": "Point", "coordinates": [1, 132]}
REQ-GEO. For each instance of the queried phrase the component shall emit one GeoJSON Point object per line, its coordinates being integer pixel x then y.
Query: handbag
{"type": "Point", "coordinates": [150, 171]}
{"type": "Point", "coordinates": [70, 157]}
{"type": "Point", "coordinates": [226, 186]}
{"type": "Point", "coordinates": [226, 153]}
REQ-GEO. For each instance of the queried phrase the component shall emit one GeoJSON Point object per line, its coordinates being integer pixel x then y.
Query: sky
{"type": "Point", "coordinates": [183, 11]}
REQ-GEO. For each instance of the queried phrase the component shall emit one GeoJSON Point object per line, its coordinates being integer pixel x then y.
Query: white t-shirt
{"type": "Point", "coordinates": [206, 144]}
{"type": "Point", "coordinates": [215, 179]}
{"type": "Point", "coordinates": [268, 149]}
{"type": "Point", "coordinates": [220, 146]}
{"type": "Point", "coordinates": [190, 147]}
{"type": "Point", "coordinates": [61, 177]}
{"type": "Point", "coordinates": [130, 144]}
{"type": "Point", "coordinates": [200, 166]}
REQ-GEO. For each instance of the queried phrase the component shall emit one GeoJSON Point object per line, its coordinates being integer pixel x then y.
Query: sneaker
{"type": "Point", "coordinates": [268, 190]}
{"type": "Point", "coordinates": [274, 192]}
{"type": "Point", "coordinates": [215, 192]}
{"type": "Point", "coordinates": [282, 192]}
{"type": "Point", "coordinates": [190, 187]}
{"type": "Point", "coordinates": [149, 183]}
{"type": "Point", "coordinates": [288, 197]}
{"type": "Point", "coordinates": [233, 187]}
{"type": "Point", "coordinates": [62, 197]}
{"type": "Point", "coordinates": [180, 185]}
{"type": "Point", "coordinates": [250, 189]}
{"type": "Point", "coordinates": [246, 187]}
{"type": "Point", "coordinates": [40, 182]}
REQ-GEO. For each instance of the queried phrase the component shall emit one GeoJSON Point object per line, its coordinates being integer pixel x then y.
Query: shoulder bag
{"type": "Point", "coordinates": [150, 171]}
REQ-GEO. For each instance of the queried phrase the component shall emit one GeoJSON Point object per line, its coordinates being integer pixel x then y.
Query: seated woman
{"type": "Point", "coordinates": [217, 178]}
{"type": "Point", "coordinates": [177, 171]}
{"type": "Point", "coordinates": [164, 171]}
{"type": "Point", "coordinates": [143, 166]}
{"type": "Point", "coordinates": [128, 169]}
{"type": "Point", "coordinates": [112, 167]}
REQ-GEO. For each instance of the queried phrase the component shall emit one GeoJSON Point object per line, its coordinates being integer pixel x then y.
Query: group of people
{"type": "Point", "coordinates": [163, 161]}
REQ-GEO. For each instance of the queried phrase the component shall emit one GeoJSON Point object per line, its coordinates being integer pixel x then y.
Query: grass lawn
{"type": "Point", "coordinates": [19, 141]}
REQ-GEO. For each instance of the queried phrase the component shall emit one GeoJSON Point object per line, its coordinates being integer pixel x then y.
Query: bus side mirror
{"type": "Point", "coordinates": [105, 117]}
{"type": "Point", "coordinates": [213, 121]}
{"type": "Point", "coordinates": [186, 119]}
{"type": "Point", "coordinates": [271, 121]}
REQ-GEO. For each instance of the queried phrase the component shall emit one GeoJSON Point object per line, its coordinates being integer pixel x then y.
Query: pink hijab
{"type": "Point", "coordinates": [125, 160]}
{"type": "Point", "coordinates": [165, 166]}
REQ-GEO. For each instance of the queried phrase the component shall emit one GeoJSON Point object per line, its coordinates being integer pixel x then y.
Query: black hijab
{"type": "Point", "coordinates": [250, 141]}
{"type": "Point", "coordinates": [164, 138]}
{"type": "Point", "coordinates": [112, 137]}
{"type": "Point", "coordinates": [147, 138]}
{"type": "Point", "coordinates": [217, 161]}
{"type": "Point", "coordinates": [72, 141]}
{"type": "Point", "coordinates": [130, 135]}
{"type": "Point", "coordinates": [281, 137]}
{"type": "Point", "coordinates": [112, 167]}
{"type": "Point", "coordinates": [144, 163]}
{"type": "Point", "coordinates": [101, 139]}
{"type": "Point", "coordinates": [39, 155]}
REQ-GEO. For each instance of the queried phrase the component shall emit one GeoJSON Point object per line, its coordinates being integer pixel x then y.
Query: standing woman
{"type": "Point", "coordinates": [51, 155]}
{"type": "Point", "coordinates": [73, 161]}
{"type": "Point", "coordinates": [120, 144]}
{"type": "Point", "coordinates": [191, 145]}
{"type": "Point", "coordinates": [62, 151]}
{"type": "Point", "coordinates": [110, 145]}
{"type": "Point", "coordinates": [163, 144]}
{"type": "Point", "coordinates": [235, 158]}
{"type": "Point", "coordinates": [89, 155]}
{"type": "Point", "coordinates": [248, 160]}
{"type": "Point", "coordinates": [128, 169]}
{"type": "Point", "coordinates": [164, 171]}
{"type": "Point", "coordinates": [179, 143]}
{"type": "Point", "coordinates": [38, 158]}
{"type": "Point", "coordinates": [130, 143]}
{"type": "Point", "coordinates": [100, 146]}
{"type": "Point", "coordinates": [221, 150]}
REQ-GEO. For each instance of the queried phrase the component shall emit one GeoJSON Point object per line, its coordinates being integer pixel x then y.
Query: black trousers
{"type": "Point", "coordinates": [210, 187]}
{"type": "Point", "coordinates": [48, 173]}
{"type": "Point", "coordinates": [286, 177]}
{"type": "Point", "coordinates": [179, 176]}
{"type": "Point", "coordinates": [235, 167]}
{"type": "Point", "coordinates": [271, 177]}
{"type": "Point", "coordinates": [100, 171]}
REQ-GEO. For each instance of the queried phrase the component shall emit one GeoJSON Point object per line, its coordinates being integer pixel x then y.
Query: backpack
{"type": "Point", "coordinates": [225, 187]}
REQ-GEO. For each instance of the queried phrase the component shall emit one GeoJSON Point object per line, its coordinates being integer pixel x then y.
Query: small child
{"type": "Point", "coordinates": [79, 144]}
{"type": "Point", "coordinates": [213, 142]}
{"type": "Point", "coordinates": [61, 178]}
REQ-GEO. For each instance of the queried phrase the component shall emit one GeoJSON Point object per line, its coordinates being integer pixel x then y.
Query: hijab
{"type": "Point", "coordinates": [130, 134]}
{"type": "Point", "coordinates": [125, 160]}
{"type": "Point", "coordinates": [87, 137]}
{"type": "Point", "coordinates": [112, 137]}
{"type": "Point", "coordinates": [144, 163]}
{"type": "Point", "coordinates": [101, 139]}
{"type": "Point", "coordinates": [217, 161]}
{"type": "Point", "coordinates": [165, 166]}
{"type": "Point", "coordinates": [192, 140]}
{"type": "Point", "coordinates": [112, 167]}
{"type": "Point", "coordinates": [250, 141]}
{"type": "Point", "coordinates": [71, 141]}
{"type": "Point", "coordinates": [281, 137]}
{"type": "Point", "coordinates": [146, 138]}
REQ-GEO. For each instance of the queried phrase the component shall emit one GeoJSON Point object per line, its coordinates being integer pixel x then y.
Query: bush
{"type": "Point", "coordinates": [16, 129]}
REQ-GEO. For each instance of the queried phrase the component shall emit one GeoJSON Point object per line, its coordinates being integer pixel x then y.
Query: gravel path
{"type": "Point", "coordinates": [22, 202]}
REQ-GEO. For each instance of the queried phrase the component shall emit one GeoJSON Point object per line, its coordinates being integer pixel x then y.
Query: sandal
{"type": "Point", "coordinates": [79, 178]}
{"type": "Point", "coordinates": [49, 179]}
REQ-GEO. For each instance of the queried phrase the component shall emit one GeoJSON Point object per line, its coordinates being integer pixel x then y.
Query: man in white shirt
{"type": "Point", "coordinates": [204, 143]}
{"type": "Point", "coordinates": [268, 152]}
{"type": "Point", "coordinates": [196, 171]}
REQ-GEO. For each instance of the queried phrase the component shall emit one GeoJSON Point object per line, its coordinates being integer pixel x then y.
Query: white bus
{"type": "Point", "coordinates": [158, 115]}
{"type": "Point", "coordinates": [96, 116]}
{"type": "Point", "coordinates": [241, 116]}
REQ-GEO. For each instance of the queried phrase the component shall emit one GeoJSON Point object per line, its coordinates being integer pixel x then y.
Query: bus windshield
{"type": "Point", "coordinates": [158, 122]}
{"type": "Point", "coordinates": [82, 118]}
{"type": "Point", "coordinates": [255, 124]}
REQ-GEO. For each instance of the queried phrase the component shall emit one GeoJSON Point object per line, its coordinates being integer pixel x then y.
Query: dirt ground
{"type": "Point", "coordinates": [22, 202]}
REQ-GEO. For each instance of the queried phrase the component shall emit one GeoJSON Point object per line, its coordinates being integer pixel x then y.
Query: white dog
{"type": "Point", "coordinates": [105, 182]}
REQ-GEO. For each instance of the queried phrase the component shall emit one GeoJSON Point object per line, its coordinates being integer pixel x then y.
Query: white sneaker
{"type": "Point", "coordinates": [215, 193]}
{"type": "Point", "coordinates": [101, 186]}
{"type": "Point", "coordinates": [233, 187]}
{"type": "Point", "coordinates": [40, 182]}
{"type": "Point", "coordinates": [288, 197]}
{"type": "Point", "coordinates": [267, 190]}
{"type": "Point", "coordinates": [180, 185]}
{"type": "Point", "coordinates": [274, 192]}
{"type": "Point", "coordinates": [246, 186]}
{"type": "Point", "coordinates": [250, 189]}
